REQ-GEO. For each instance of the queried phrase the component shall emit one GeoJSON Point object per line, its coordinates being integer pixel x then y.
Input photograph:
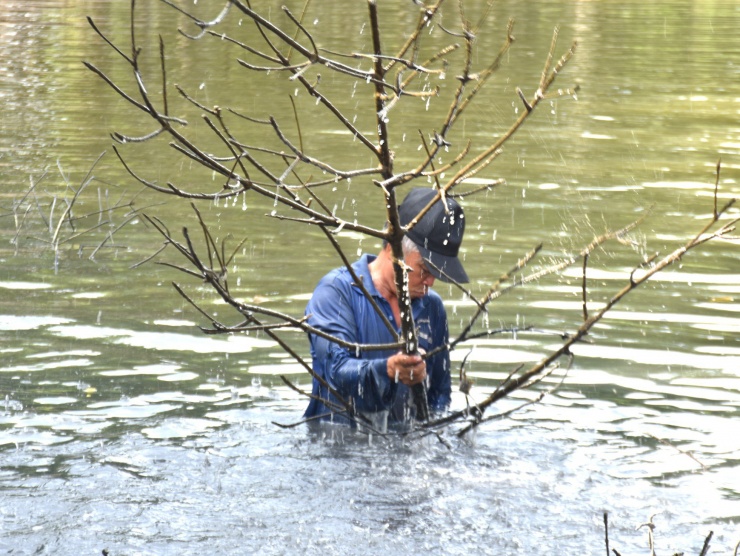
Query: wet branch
{"type": "Point", "coordinates": [702, 237]}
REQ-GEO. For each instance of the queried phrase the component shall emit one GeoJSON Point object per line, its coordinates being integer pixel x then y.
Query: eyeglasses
{"type": "Point", "coordinates": [423, 272]}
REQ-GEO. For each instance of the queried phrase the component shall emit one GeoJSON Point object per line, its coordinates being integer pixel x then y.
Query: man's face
{"type": "Point", "coordinates": [420, 279]}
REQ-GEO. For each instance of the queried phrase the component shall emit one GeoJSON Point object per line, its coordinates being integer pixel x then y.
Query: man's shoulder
{"type": "Point", "coordinates": [434, 305]}
{"type": "Point", "coordinates": [336, 278]}
{"type": "Point", "coordinates": [341, 278]}
{"type": "Point", "coordinates": [337, 283]}
{"type": "Point", "coordinates": [434, 298]}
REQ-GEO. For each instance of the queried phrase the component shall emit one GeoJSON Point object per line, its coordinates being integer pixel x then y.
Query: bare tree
{"type": "Point", "coordinates": [392, 76]}
{"type": "Point", "coordinates": [58, 219]}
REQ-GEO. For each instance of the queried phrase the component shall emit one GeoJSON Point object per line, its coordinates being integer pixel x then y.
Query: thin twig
{"type": "Point", "coordinates": [688, 454]}
{"type": "Point", "coordinates": [705, 548]}
{"type": "Point", "coordinates": [716, 187]}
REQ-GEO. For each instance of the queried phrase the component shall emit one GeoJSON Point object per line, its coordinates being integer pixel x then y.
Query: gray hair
{"type": "Point", "coordinates": [408, 246]}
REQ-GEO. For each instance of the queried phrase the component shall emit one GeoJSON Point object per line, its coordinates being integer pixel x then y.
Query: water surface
{"type": "Point", "coordinates": [122, 426]}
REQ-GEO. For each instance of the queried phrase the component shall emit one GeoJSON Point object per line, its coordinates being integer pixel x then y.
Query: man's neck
{"type": "Point", "coordinates": [381, 270]}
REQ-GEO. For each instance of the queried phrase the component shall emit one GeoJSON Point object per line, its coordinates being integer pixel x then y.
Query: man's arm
{"type": "Point", "coordinates": [362, 376]}
{"type": "Point", "coordinates": [439, 366]}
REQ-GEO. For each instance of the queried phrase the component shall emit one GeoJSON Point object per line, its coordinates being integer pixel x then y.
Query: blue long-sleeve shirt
{"type": "Point", "coordinates": [339, 308]}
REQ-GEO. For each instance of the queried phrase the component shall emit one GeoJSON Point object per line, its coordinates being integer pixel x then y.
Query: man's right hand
{"type": "Point", "coordinates": [407, 369]}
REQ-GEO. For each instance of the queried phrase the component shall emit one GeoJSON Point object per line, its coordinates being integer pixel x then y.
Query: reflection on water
{"type": "Point", "coordinates": [123, 427]}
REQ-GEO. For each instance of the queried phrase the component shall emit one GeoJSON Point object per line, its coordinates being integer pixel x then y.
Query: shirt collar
{"type": "Point", "coordinates": [362, 269]}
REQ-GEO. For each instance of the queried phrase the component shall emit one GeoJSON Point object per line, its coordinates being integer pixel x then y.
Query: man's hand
{"type": "Point", "coordinates": [408, 369]}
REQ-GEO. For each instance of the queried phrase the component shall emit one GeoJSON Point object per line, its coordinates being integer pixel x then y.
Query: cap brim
{"type": "Point", "coordinates": [444, 268]}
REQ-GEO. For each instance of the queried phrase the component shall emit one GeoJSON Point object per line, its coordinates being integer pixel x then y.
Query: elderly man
{"type": "Point", "coordinates": [379, 382]}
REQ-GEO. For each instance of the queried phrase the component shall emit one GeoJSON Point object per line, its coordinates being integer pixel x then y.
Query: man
{"type": "Point", "coordinates": [378, 382]}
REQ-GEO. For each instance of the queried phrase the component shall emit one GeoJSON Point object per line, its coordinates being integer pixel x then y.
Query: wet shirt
{"type": "Point", "coordinates": [338, 307]}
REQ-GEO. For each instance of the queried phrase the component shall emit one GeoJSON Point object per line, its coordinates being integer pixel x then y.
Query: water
{"type": "Point", "coordinates": [123, 427]}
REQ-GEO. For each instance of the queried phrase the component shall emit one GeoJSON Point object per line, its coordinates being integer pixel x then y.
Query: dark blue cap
{"type": "Point", "coordinates": [438, 234]}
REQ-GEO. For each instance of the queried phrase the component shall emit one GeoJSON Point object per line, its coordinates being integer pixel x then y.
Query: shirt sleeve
{"type": "Point", "coordinates": [438, 366]}
{"type": "Point", "coordinates": [361, 376]}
